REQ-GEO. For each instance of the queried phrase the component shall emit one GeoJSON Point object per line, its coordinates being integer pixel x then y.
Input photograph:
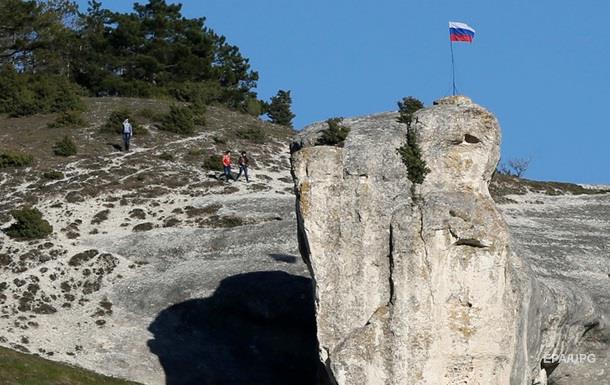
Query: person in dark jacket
{"type": "Point", "coordinates": [243, 165]}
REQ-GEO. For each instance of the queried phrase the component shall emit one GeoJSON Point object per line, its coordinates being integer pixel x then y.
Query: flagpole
{"type": "Point", "coordinates": [452, 68]}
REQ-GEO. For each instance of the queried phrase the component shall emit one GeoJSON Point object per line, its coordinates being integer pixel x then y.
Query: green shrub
{"type": "Point", "coordinates": [166, 156]}
{"type": "Point", "coordinates": [15, 159]}
{"type": "Point", "coordinates": [253, 106]}
{"type": "Point", "coordinates": [68, 119]}
{"type": "Point", "coordinates": [24, 94]}
{"type": "Point", "coordinates": [179, 120]}
{"type": "Point", "coordinates": [335, 134]}
{"type": "Point", "coordinates": [65, 147]}
{"type": "Point", "coordinates": [201, 93]}
{"type": "Point", "coordinates": [53, 175]}
{"type": "Point", "coordinates": [411, 157]}
{"type": "Point", "coordinates": [219, 140]}
{"type": "Point", "coordinates": [116, 86]}
{"type": "Point", "coordinates": [114, 123]}
{"type": "Point", "coordinates": [213, 163]}
{"type": "Point", "coordinates": [251, 134]}
{"type": "Point", "coordinates": [29, 225]}
{"type": "Point", "coordinates": [150, 115]}
{"type": "Point", "coordinates": [199, 120]}
{"type": "Point", "coordinates": [407, 107]}
{"type": "Point", "coordinates": [195, 152]}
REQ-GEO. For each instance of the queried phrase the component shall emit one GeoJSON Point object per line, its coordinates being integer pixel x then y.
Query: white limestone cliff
{"type": "Point", "coordinates": [420, 284]}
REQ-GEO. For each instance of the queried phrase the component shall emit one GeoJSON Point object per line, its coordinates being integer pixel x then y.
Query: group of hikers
{"type": "Point", "coordinates": [243, 161]}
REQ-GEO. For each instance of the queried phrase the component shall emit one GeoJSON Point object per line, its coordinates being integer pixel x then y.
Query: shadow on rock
{"type": "Point", "coordinates": [257, 328]}
{"type": "Point", "coordinates": [284, 258]}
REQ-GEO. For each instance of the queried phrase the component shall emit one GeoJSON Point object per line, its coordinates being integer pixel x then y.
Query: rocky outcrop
{"type": "Point", "coordinates": [420, 284]}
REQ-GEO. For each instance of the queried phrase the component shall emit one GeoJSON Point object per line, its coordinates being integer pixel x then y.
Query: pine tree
{"type": "Point", "coordinates": [407, 107]}
{"type": "Point", "coordinates": [279, 109]}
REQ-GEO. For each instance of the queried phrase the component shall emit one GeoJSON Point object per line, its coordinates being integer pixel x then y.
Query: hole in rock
{"type": "Point", "coordinates": [471, 139]}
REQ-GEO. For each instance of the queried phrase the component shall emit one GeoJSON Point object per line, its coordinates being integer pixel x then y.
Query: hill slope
{"type": "Point", "coordinates": [159, 273]}
{"type": "Point", "coordinates": [137, 234]}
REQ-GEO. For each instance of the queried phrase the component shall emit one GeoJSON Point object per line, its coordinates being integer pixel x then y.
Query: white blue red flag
{"type": "Point", "coordinates": [460, 32]}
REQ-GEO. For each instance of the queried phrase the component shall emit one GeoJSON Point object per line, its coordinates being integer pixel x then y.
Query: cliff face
{"type": "Point", "coordinates": [420, 284]}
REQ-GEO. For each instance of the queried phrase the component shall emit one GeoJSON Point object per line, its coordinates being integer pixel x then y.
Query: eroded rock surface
{"type": "Point", "coordinates": [420, 284]}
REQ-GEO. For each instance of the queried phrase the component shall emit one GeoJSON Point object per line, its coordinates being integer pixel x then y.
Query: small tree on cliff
{"type": "Point", "coordinates": [335, 134]}
{"type": "Point", "coordinates": [407, 107]}
{"type": "Point", "coordinates": [279, 109]}
{"type": "Point", "coordinates": [410, 152]}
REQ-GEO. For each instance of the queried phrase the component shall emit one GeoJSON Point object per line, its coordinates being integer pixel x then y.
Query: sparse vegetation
{"type": "Point", "coordinates": [68, 119]}
{"type": "Point", "coordinates": [335, 134]}
{"type": "Point", "coordinates": [515, 167]}
{"type": "Point", "coordinates": [213, 163]}
{"type": "Point", "coordinates": [53, 175]}
{"type": "Point", "coordinates": [150, 115]}
{"type": "Point", "coordinates": [253, 106]}
{"type": "Point", "coordinates": [143, 227]}
{"type": "Point", "coordinates": [502, 185]}
{"type": "Point", "coordinates": [224, 221]}
{"type": "Point", "coordinates": [65, 147]}
{"type": "Point", "coordinates": [114, 124]}
{"type": "Point", "coordinates": [251, 134]}
{"type": "Point", "coordinates": [29, 224]}
{"type": "Point", "coordinates": [179, 120]}
{"type": "Point", "coordinates": [195, 152]}
{"type": "Point", "coordinates": [15, 159]}
{"type": "Point", "coordinates": [219, 140]}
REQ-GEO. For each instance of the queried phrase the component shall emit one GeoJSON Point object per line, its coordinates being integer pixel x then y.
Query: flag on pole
{"type": "Point", "coordinates": [460, 32]}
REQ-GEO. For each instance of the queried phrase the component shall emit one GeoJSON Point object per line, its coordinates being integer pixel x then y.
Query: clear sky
{"type": "Point", "coordinates": [542, 66]}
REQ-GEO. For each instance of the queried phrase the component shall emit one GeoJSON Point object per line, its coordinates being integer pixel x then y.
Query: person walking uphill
{"type": "Point", "coordinates": [226, 165]}
{"type": "Point", "coordinates": [243, 165]}
{"type": "Point", "coordinates": [127, 133]}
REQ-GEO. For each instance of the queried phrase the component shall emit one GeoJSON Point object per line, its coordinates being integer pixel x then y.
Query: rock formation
{"type": "Point", "coordinates": [419, 284]}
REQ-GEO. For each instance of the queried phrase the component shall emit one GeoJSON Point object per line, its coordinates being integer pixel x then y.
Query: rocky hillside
{"type": "Point", "coordinates": [159, 273]}
{"type": "Point", "coordinates": [424, 283]}
{"type": "Point", "coordinates": [150, 254]}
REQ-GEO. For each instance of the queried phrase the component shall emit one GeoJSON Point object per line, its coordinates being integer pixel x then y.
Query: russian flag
{"type": "Point", "coordinates": [460, 32]}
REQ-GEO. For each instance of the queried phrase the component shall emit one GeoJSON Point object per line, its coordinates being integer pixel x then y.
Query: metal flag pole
{"type": "Point", "coordinates": [452, 68]}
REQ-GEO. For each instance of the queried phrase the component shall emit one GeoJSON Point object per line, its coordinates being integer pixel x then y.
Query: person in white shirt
{"type": "Point", "coordinates": [127, 133]}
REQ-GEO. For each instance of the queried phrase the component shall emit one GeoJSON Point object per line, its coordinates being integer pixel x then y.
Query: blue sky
{"type": "Point", "coordinates": [543, 67]}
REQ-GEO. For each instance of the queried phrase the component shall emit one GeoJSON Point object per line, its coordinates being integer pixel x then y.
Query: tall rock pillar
{"type": "Point", "coordinates": [413, 284]}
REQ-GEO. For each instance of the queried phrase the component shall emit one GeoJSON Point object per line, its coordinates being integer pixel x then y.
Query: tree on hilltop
{"type": "Point", "coordinates": [279, 110]}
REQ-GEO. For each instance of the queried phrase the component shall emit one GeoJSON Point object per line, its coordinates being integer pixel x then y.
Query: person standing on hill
{"type": "Point", "coordinates": [226, 165]}
{"type": "Point", "coordinates": [243, 166]}
{"type": "Point", "coordinates": [127, 133]}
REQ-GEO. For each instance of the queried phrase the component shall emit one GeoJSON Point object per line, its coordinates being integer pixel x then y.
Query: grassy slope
{"type": "Point", "coordinates": [23, 369]}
